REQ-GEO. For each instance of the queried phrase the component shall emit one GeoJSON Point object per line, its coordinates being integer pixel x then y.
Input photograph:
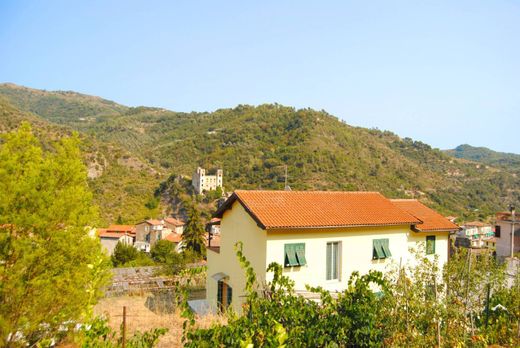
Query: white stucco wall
{"type": "Point", "coordinates": [355, 252]}
{"type": "Point", "coordinates": [263, 247]}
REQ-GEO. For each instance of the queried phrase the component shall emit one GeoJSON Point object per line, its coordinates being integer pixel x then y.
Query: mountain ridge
{"type": "Point", "coordinates": [254, 143]}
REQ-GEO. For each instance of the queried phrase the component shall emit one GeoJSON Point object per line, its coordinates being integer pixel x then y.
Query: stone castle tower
{"type": "Point", "coordinates": [202, 182]}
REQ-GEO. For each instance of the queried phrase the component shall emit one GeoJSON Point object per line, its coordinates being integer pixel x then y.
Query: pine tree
{"type": "Point", "coordinates": [194, 235]}
{"type": "Point", "coordinates": [50, 269]}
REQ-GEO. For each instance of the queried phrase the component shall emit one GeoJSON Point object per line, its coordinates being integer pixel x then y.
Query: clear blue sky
{"type": "Point", "coordinates": [443, 72]}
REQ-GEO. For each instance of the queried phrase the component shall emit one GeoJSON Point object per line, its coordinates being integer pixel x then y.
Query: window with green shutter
{"type": "Point", "coordinates": [430, 245]}
{"type": "Point", "coordinates": [381, 249]}
{"type": "Point", "coordinates": [295, 255]}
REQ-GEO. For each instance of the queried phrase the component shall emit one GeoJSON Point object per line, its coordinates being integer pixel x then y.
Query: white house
{"type": "Point", "coordinates": [319, 237]}
{"type": "Point", "coordinates": [113, 234]}
{"type": "Point", "coordinates": [474, 234]}
{"type": "Point", "coordinates": [505, 224]}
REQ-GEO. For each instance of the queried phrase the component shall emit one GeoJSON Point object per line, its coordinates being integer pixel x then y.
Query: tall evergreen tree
{"type": "Point", "coordinates": [193, 235]}
{"type": "Point", "coordinates": [51, 270]}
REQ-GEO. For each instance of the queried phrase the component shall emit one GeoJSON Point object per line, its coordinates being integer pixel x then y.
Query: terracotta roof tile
{"type": "Point", "coordinates": [174, 221]}
{"type": "Point", "coordinates": [154, 222]}
{"type": "Point", "coordinates": [432, 221]}
{"type": "Point", "coordinates": [121, 228]}
{"type": "Point", "coordinates": [174, 237]}
{"type": "Point", "coordinates": [318, 209]}
{"type": "Point", "coordinates": [476, 224]}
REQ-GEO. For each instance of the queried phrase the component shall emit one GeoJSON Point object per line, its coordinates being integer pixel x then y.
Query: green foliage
{"type": "Point", "coordinates": [51, 271]}
{"type": "Point", "coordinates": [253, 144]}
{"type": "Point", "coordinates": [162, 251]}
{"type": "Point", "coordinates": [97, 334]}
{"type": "Point", "coordinates": [123, 254]}
{"type": "Point", "coordinates": [193, 234]}
{"type": "Point", "coordinates": [413, 306]}
{"type": "Point", "coordinates": [486, 156]}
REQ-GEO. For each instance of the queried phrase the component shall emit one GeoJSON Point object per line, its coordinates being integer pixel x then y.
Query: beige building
{"type": "Point", "coordinates": [475, 234]}
{"type": "Point", "coordinates": [503, 228]}
{"type": "Point", "coordinates": [113, 234]}
{"type": "Point", "coordinates": [319, 237]}
{"type": "Point", "coordinates": [202, 182]}
{"type": "Point", "coordinates": [148, 232]}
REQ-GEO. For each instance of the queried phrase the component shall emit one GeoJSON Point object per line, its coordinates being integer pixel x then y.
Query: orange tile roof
{"type": "Point", "coordinates": [318, 209]}
{"type": "Point", "coordinates": [432, 221]}
{"type": "Point", "coordinates": [174, 221]}
{"type": "Point", "coordinates": [104, 233]}
{"type": "Point", "coordinates": [476, 224]}
{"type": "Point", "coordinates": [174, 237]}
{"type": "Point", "coordinates": [121, 228]}
{"type": "Point", "coordinates": [154, 222]}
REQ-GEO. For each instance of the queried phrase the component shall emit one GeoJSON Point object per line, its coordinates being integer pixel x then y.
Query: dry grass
{"type": "Point", "coordinates": [140, 318]}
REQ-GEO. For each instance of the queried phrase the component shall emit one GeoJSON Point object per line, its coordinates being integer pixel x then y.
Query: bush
{"type": "Point", "coordinates": [123, 254]}
{"type": "Point", "coordinates": [162, 251]}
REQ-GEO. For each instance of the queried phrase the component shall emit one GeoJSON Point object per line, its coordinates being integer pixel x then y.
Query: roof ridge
{"type": "Point", "coordinates": [310, 192]}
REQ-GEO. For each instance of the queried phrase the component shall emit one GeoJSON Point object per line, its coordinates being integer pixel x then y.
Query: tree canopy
{"type": "Point", "coordinates": [51, 270]}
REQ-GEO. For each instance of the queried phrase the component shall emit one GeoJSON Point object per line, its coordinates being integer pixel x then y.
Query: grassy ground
{"type": "Point", "coordinates": [140, 318]}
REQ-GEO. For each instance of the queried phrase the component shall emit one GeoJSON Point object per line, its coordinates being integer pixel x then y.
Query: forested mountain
{"type": "Point", "coordinates": [123, 185]}
{"type": "Point", "coordinates": [486, 156]}
{"type": "Point", "coordinates": [252, 145]}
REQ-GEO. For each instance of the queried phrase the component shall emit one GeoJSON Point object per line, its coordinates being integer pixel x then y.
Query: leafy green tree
{"type": "Point", "coordinates": [51, 271]}
{"type": "Point", "coordinates": [123, 254]}
{"type": "Point", "coordinates": [194, 234]}
{"type": "Point", "coordinates": [162, 251]}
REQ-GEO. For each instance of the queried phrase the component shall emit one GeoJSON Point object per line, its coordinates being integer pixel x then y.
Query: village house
{"type": "Point", "coordinates": [174, 225]}
{"type": "Point", "coordinates": [319, 238]}
{"type": "Point", "coordinates": [149, 232]}
{"type": "Point", "coordinates": [113, 234]}
{"type": "Point", "coordinates": [505, 223]}
{"type": "Point", "coordinates": [202, 182]}
{"type": "Point", "coordinates": [475, 234]}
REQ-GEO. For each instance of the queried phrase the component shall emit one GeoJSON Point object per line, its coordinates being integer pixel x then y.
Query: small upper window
{"type": "Point", "coordinates": [380, 249]}
{"type": "Point", "coordinates": [295, 255]}
{"type": "Point", "coordinates": [497, 231]}
{"type": "Point", "coordinates": [430, 245]}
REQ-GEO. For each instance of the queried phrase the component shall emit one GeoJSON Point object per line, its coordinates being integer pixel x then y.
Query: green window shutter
{"type": "Point", "coordinates": [300, 254]}
{"type": "Point", "coordinates": [290, 256]}
{"type": "Point", "coordinates": [386, 247]}
{"type": "Point", "coordinates": [378, 252]}
{"type": "Point", "coordinates": [329, 261]}
{"type": "Point", "coordinates": [430, 245]}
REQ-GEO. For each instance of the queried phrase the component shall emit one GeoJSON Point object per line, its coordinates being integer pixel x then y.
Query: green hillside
{"type": "Point", "coordinates": [59, 106]}
{"type": "Point", "coordinates": [122, 183]}
{"type": "Point", "coordinates": [486, 156]}
{"type": "Point", "coordinates": [252, 145]}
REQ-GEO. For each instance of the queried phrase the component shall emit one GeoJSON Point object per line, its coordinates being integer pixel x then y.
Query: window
{"type": "Point", "coordinates": [147, 238]}
{"type": "Point", "coordinates": [224, 295]}
{"type": "Point", "coordinates": [294, 255]}
{"type": "Point", "coordinates": [430, 245]}
{"type": "Point", "coordinates": [333, 260]}
{"type": "Point", "coordinates": [497, 231]}
{"type": "Point", "coordinates": [380, 249]}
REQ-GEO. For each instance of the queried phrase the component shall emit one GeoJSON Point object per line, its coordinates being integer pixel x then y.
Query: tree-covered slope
{"type": "Point", "coordinates": [123, 185]}
{"type": "Point", "coordinates": [486, 156]}
{"type": "Point", "coordinates": [58, 106]}
{"type": "Point", "coordinates": [252, 145]}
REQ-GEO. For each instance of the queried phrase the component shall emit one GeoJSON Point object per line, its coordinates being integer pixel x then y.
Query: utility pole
{"type": "Point", "coordinates": [512, 210]}
{"type": "Point", "coordinates": [124, 327]}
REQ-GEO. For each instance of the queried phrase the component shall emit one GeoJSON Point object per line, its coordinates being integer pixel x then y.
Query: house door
{"type": "Point", "coordinates": [224, 295]}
